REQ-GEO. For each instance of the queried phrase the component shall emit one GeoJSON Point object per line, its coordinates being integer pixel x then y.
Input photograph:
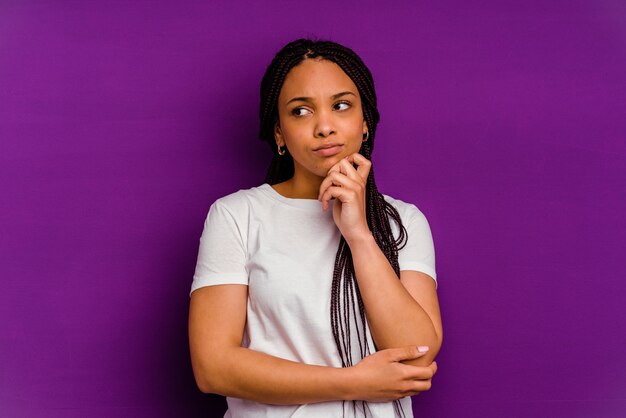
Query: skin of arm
{"type": "Point", "coordinates": [399, 312]}
{"type": "Point", "coordinates": [412, 298]}
{"type": "Point", "coordinates": [216, 324]}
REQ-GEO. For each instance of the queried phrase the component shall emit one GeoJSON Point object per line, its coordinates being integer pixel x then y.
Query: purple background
{"type": "Point", "coordinates": [121, 122]}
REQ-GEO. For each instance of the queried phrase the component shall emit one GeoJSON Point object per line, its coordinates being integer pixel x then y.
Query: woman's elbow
{"type": "Point", "coordinates": [435, 346]}
{"type": "Point", "coordinates": [203, 381]}
{"type": "Point", "coordinates": [204, 387]}
{"type": "Point", "coordinates": [207, 378]}
{"type": "Point", "coordinates": [438, 338]}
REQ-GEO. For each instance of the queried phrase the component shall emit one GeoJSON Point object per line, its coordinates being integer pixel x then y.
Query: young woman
{"type": "Point", "coordinates": [314, 295]}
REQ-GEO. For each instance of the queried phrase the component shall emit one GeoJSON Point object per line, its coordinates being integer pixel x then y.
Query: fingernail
{"type": "Point", "coordinates": [422, 348]}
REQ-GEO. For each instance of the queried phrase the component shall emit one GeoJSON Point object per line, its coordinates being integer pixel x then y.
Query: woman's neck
{"type": "Point", "coordinates": [300, 186]}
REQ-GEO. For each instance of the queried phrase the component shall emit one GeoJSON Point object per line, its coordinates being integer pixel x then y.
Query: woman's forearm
{"type": "Point", "coordinates": [243, 373]}
{"type": "Point", "coordinates": [380, 377]}
{"type": "Point", "coordinates": [217, 318]}
{"type": "Point", "coordinates": [395, 318]}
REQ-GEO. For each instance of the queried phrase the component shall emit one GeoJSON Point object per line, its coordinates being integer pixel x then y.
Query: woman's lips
{"type": "Point", "coordinates": [328, 151]}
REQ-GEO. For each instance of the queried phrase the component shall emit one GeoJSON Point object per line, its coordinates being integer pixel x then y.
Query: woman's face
{"type": "Point", "coordinates": [320, 116]}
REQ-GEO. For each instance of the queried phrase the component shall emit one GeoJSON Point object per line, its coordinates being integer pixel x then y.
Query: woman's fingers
{"type": "Point", "coordinates": [406, 353]}
{"type": "Point", "coordinates": [433, 366]}
{"type": "Point", "coordinates": [358, 173]}
{"type": "Point", "coordinates": [344, 175]}
{"type": "Point", "coordinates": [335, 178]}
{"type": "Point", "coordinates": [345, 169]}
{"type": "Point", "coordinates": [343, 194]}
{"type": "Point", "coordinates": [395, 380]}
{"type": "Point", "coordinates": [342, 182]}
{"type": "Point", "coordinates": [420, 386]}
{"type": "Point", "coordinates": [363, 164]}
{"type": "Point", "coordinates": [346, 166]}
{"type": "Point", "coordinates": [417, 373]}
{"type": "Point", "coordinates": [347, 184]}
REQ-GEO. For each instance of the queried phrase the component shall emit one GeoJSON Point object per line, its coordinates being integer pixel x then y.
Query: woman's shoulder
{"type": "Point", "coordinates": [242, 199]}
{"type": "Point", "coordinates": [242, 196]}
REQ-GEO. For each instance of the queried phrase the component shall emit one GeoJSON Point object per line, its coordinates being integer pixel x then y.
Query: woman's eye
{"type": "Point", "coordinates": [345, 105]}
{"type": "Point", "coordinates": [299, 111]}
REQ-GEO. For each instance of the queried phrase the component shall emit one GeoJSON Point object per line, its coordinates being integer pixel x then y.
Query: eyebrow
{"type": "Point", "coordinates": [333, 97]}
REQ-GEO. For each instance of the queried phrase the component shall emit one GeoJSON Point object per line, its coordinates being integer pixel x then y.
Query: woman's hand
{"type": "Point", "coordinates": [346, 185]}
{"type": "Point", "coordinates": [381, 377]}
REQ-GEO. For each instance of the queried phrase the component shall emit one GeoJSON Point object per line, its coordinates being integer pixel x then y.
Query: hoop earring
{"type": "Point", "coordinates": [367, 136]}
{"type": "Point", "coordinates": [281, 151]}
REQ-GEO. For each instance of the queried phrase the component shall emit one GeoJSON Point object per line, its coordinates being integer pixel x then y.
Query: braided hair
{"type": "Point", "coordinates": [346, 304]}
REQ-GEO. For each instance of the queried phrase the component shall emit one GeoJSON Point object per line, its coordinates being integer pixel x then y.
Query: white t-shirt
{"type": "Point", "coordinates": [284, 250]}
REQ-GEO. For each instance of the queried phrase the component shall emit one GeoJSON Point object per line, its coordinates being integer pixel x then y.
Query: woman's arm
{"type": "Point", "coordinates": [399, 312]}
{"type": "Point", "coordinates": [216, 324]}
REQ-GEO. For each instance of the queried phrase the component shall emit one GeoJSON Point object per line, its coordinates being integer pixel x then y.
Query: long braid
{"type": "Point", "coordinates": [346, 304]}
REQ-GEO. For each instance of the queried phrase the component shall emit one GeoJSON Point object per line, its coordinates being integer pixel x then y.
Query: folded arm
{"type": "Point", "coordinates": [217, 319]}
{"type": "Point", "coordinates": [399, 312]}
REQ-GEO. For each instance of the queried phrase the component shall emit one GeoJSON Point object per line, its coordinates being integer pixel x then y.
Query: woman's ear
{"type": "Point", "coordinates": [278, 135]}
{"type": "Point", "coordinates": [364, 127]}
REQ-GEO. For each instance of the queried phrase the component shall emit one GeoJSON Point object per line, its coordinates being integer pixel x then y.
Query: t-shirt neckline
{"type": "Point", "coordinates": [312, 205]}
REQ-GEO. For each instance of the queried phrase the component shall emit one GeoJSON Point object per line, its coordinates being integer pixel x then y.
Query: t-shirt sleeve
{"type": "Point", "coordinates": [419, 252]}
{"type": "Point", "coordinates": [222, 254]}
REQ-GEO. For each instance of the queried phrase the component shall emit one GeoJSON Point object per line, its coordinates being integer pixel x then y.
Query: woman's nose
{"type": "Point", "coordinates": [324, 126]}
